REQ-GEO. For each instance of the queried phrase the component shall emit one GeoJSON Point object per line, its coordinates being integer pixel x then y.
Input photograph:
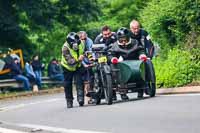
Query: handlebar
{"type": "Point", "coordinates": [100, 47]}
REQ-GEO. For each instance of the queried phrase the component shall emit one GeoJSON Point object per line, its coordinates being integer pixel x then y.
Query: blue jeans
{"type": "Point", "coordinates": [59, 77]}
{"type": "Point", "coordinates": [38, 76]}
{"type": "Point", "coordinates": [24, 80]}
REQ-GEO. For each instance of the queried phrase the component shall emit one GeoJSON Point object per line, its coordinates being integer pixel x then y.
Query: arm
{"type": "Point", "coordinates": [29, 69]}
{"type": "Point", "coordinates": [15, 69]}
{"type": "Point", "coordinates": [149, 46]}
{"type": "Point", "coordinates": [67, 55]}
{"type": "Point", "coordinates": [112, 52]}
{"type": "Point", "coordinates": [98, 38]}
{"type": "Point", "coordinates": [89, 44]}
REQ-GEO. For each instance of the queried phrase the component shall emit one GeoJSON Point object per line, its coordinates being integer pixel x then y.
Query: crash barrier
{"type": "Point", "coordinates": [12, 83]}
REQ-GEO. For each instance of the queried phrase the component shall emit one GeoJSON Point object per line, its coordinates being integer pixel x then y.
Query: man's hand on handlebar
{"type": "Point", "coordinates": [80, 58]}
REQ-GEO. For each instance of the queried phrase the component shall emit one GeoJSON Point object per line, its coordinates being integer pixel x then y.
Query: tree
{"type": "Point", "coordinates": [173, 21]}
{"type": "Point", "coordinates": [30, 24]}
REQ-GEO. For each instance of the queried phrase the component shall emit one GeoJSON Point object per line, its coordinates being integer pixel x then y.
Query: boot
{"type": "Point", "coordinates": [124, 97]}
{"type": "Point", "coordinates": [81, 103]}
{"type": "Point", "coordinates": [140, 93]}
{"type": "Point", "coordinates": [69, 104]}
{"type": "Point", "coordinates": [114, 98]}
{"type": "Point", "coordinates": [80, 96]}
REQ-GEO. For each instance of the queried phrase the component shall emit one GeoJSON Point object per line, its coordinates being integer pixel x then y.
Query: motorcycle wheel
{"type": "Point", "coordinates": [151, 90]}
{"type": "Point", "coordinates": [108, 92]}
{"type": "Point", "coordinates": [98, 89]}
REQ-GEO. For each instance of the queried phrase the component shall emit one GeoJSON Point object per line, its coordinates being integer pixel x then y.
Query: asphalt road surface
{"type": "Point", "coordinates": [48, 114]}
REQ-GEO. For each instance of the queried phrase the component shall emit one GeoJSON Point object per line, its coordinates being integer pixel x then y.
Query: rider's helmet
{"type": "Point", "coordinates": [73, 40]}
{"type": "Point", "coordinates": [123, 36]}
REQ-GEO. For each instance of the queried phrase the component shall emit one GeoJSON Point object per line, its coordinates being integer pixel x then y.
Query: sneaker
{"type": "Point", "coordinates": [124, 97]}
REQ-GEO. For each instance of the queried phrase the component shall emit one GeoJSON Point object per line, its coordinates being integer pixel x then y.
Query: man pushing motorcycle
{"type": "Point", "coordinates": [126, 48]}
{"type": "Point", "coordinates": [72, 56]}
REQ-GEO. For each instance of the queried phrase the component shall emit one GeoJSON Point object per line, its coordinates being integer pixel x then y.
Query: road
{"type": "Point", "coordinates": [48, 114]}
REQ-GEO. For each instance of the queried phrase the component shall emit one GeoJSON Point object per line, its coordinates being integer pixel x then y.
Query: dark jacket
{"type": "Point", "coordinates": [144, 39]}
{"type": "Point", "coordinates": [100, 40]}
{"type": "Point", "coordinates": [131, 52]}
{"type": "Point", "coordinates": [15, 69]}
{"type": "Point", "coordinates": [53, 69]}
{"type": "Point", "coordinates": [37, 65]}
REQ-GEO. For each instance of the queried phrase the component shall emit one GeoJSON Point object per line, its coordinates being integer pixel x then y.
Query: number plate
{"type": "Point", "coordinates": [102, 59]}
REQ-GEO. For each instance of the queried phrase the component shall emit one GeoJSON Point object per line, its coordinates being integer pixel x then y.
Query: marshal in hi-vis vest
{"type": "Point", "coordinates": [75, 55]}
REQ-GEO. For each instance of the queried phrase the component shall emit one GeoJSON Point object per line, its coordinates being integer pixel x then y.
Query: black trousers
{"type": "Point", "coordinates": [69, 76]}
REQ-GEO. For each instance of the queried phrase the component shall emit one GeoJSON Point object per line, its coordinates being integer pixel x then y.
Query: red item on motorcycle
{"type": "Point", "coordinates": [143, 58]}
{"type": "Point", "coordinates": [114, 60]}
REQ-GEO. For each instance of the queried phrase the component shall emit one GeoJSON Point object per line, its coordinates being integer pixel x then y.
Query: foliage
{"type": "Point", "coordinates": [30, 25]}
{"type": "Point", "coordinates": [178, 69]}
{"type": "Point", "coordinates": [173, 21]}
{"type": "Point", "coordinates": [175, 25]}
{"type": "Point", "coordinates": [40, 26]}
{"type": "Point", "coordinates": [116, 13]}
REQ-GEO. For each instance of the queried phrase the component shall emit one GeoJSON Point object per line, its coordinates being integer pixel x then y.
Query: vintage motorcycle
{"type": "Point", "coordinates": [102, 75]}
{"type": "Point", "coordinates": [120, 76]}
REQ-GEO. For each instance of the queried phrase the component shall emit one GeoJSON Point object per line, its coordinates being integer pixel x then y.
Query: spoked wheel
{"type": "Point", "coordinates": [151, 80]}
{"type": "Point", "coordinates": [151, 90]}
{"type": "Point", "coordinates": [97, 89]}
{"type": "Point", "coordinates": [99, 95]}
{"type": "Point", "coordinates": [107, 86]}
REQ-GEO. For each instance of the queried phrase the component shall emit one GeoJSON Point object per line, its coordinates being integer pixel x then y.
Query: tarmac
{"type": "Point", "coordinates": [160, 91]}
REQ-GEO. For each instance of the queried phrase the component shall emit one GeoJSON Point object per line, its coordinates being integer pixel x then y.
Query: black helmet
{"type": "Point", "coordinates": [123, 33]}
{"type": "Point", "coordinates": [73, 38]}
{"type": "Point", "coordinates": [123, 37]}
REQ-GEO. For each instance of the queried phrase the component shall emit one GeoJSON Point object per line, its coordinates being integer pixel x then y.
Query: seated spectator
{"type": "Point", "coordinates": [55, 71]}
{"type": "Point", "coordinates": [16, 73]}
{"type": "Point", "coordinates": [37, 68]}
{"type": "Point", "coordinates": [2, 64]}
{"type": "Point", "coordinates": [31, 75]}
{"type": "Point", "coordinates": [29, 71]}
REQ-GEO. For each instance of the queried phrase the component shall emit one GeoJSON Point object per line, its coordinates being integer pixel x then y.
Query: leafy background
{"type": "Point", "coordinates": [40, 26]}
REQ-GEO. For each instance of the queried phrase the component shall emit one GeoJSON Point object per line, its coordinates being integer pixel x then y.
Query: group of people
{"type": "Point", "coordinates": [77, 60]}
{"type": "Point", "coordinates": [128, 44]}
{"type": "Point", "coordinates": [33, 72]}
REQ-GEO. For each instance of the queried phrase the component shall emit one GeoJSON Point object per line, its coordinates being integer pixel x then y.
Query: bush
{"type": "Point", "coordinates": [176, 70]}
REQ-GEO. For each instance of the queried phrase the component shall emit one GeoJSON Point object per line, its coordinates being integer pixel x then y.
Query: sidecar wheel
{"type": "Point", "coordinates": [151, 80]}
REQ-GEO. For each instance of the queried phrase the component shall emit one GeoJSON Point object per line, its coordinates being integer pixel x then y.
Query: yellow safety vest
{"type": "Point", "coordinates": [75, 55]}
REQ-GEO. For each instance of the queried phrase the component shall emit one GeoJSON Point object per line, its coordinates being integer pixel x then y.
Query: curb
{"type": "Point", "coordinates": [178, 90]}
{"type": "Point", "coordinates": [161, 91]}
{"type": "Point", "coordinates": [29, 94]}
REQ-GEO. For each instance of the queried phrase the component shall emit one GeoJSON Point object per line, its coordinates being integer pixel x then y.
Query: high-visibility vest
{"type": "Point", "coordinates": [75, 55]}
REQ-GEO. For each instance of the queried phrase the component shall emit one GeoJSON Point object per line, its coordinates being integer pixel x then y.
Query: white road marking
{"type": "Point", "coordinates": [57, 129]}
{"type": "Point", "coordinates": [4, 130]}
{"type": "Point", "coordinates": [12, 107]}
